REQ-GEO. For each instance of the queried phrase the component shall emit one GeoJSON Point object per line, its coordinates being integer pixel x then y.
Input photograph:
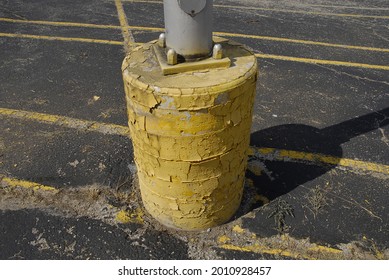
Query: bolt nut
{"type": "Point", "coordinates": [217, 52]}
{"type": "Point", "coordinates": [171, 57]}
{"type": "Point", "coordinates": [162, 40]}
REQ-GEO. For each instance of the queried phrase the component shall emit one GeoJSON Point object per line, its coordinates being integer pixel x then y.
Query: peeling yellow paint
{"type": "Point", "coordinates": [223, 239]}
{"type": "Point", "coordinates": [319, 248]}
{"type": "Point", "coordinates": [12, 182]}
{"type": "Point", "coordinates": [123, 217]}
{"type": "Point", "coordinates": [190, 133]}
{"type": "Point", "coordinates": [238, 229]}
{"type": "Point", "coordinates": [126, 217]}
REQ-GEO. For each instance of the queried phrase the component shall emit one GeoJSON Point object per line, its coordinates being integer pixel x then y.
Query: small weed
{"type": "Point", "coordinates": [281, 210]}
{"type": "Point", "coordinates": [317, 200]}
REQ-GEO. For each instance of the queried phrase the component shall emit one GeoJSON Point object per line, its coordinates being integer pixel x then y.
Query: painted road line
{"type": "Point", "coordinates": [269, 56]}
{"type": "Point", "coordinates": [144, 1]}
{"type": "Point", "coordinates": [127, 34]}
{"type": "Point", "coordinates": [12, 182]}
{"type": "Point", "coordinates": [261, 152]}
{"type": "Point", "coordinates": [303, 12]}
{"type": "Point", "coordinates": [158, 29]}
{"type": "Point", "coordinates": [350, 7]}
{"type": "Point", "coordinates": [286, 252]}
{"type": "Point", "coordinates": [78, 24]}
{"type": "Point", "coordinates": [323, 62]}
{"type": "Point", "coordinates": [274, 154]}
{"type": "Point", "coordinates": [304, 42]}
{"type": "Point", "coordinates": [55, 38]}
{"type": "Point", "coordinates": [104, 128]}
{"type": "Point", "coordinates": [264, 250]}
{"type": "Point", "coordinates": [277, 10]}
{"type": "Point", "coordinates": [122, 216]}
{"type": "Point", "coordinates": [60, 23]}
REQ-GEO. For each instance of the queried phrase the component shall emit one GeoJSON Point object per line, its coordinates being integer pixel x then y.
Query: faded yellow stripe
{"type": "Point", "coordinates": [277, 10]}
{"type": "Point", "coordinates": [305, 42]}
{"type": "Point", "coordinates": [264, 250]}
{"type": "Point", "coordinates": [127, 34]}
{"type": "Point", "coordinates": [158, 29]}
{"type": "Point", "coordinates": [260, 249]}
{"type": "Point", "coordinates": [11, 182]}
{"type": "Point", "coordinates": [60, 23]}
{"type": "Point", "coordinates": [125, 217]}
{"type": "Point", "coordinates": [323, 249]}
{"type": "Point", "coordinates": [110, 129]}
{"type": "Point", "coordinates": [350, 7]}
{"type": "Point", "coordinates": [268, 153]}
{"type": "Point", "coordinates": [287, 155]}
{"type": "Point", "coordinates": [55, 38]}
{"type": "Point", "coordinates": [144, 1]}
{"type": "Point", "coordinates": [303, 12]}
{"type": "Point", "coordinates": [324, 62]}
{"type": "Point", "coordinates": [79, 24]}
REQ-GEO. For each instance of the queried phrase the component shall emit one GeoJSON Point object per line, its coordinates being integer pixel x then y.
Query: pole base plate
{"type": "Point", "coordinates": [181, 67]}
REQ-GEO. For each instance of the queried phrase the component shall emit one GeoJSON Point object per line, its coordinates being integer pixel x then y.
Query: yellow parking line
{"type": "Point", "coordinates": [110, 129]}
{"type": "Point", "coordinates": [127, 34]}
{"type": "Point", "coordinates": [350, 7]}
{"type": "Point", "coordinates": [267, 153]}
{"type": "Point", "coordinates": [144, 1]}
{"type": "Point", "coordinates": [56, 38]}
{"type": "Point", "coordinates": [79, 24]}
{"type": "Point", "coordinates": [305, 42]}
{"type": "Point", "coordinates": [287, 155]}
{"type": "Point", "coordinates": [303, 12]}
{"type": "Point", "coordinates": [311, 252]}
{"type": "Point", "coordinates": [322, 61]}
{"type": "Point", "coordinates": [264, 250]}
{"type": "Point", "coordinates": [158, 29]}
{"type": "Point", "coordinates": [278, 10]}
{"type": "Point", "coordinates": [270, 56]}
{"type": "Point", "coordinates": [60, 23]}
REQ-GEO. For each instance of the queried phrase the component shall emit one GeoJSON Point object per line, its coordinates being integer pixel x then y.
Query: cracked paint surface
{"type": "Point", "coordinates": [191, 134]}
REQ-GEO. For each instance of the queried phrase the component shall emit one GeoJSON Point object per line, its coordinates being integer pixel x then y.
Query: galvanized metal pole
{"type": "Point", "coordinates": [188, 25]}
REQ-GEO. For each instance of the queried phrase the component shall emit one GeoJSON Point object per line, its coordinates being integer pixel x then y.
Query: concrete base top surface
{"type": "Point", "coordinates": [142, 64]}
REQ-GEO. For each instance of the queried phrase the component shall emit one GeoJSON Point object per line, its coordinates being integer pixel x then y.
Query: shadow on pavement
{"type": "Point", "coordinates": [281, 177]}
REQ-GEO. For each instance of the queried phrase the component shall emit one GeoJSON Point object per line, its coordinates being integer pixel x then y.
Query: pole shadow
{"type": "Point", "coordinates": [279, 177]}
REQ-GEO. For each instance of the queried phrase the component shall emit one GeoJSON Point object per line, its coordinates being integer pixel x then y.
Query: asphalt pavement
{"type": "Point", "coordinates": [317, 179]}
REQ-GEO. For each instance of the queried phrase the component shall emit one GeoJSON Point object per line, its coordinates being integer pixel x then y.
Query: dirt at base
{"type": "Point", "coordinates": [120, 206]}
